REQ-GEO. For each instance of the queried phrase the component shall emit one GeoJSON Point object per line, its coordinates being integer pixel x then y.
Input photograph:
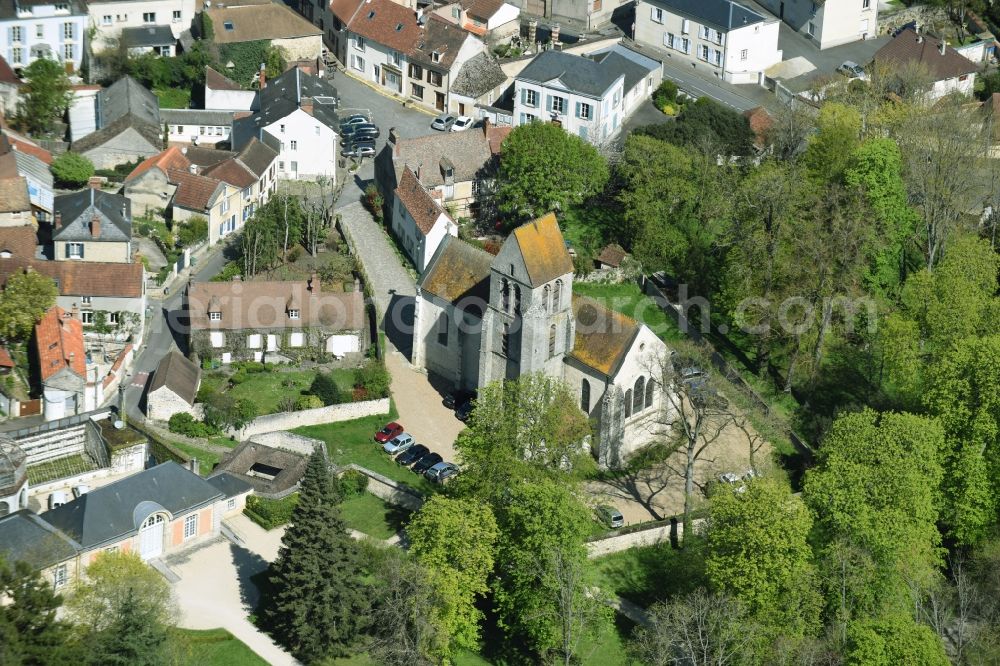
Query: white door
{"type": "Point", "coordinates": [151, 537]}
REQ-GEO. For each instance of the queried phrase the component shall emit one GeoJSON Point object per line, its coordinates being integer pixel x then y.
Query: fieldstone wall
{"type": "Point", "coordinates": [289, 441]}
{"type": "Point", "coordinates": [392, 492]}
{"type": "Point", "coordinates": [307, 417]}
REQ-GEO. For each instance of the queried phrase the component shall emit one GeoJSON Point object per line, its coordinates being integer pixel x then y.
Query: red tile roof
{"type": "Point", "coordinates": [389, 24]}
{"type": "Point", "coordinates": [231, 172]}
{"type": "Point", "coordinates": [19, 241]}
{"type": "Point", "coordinates": [5, 360]}
{"type": "Point", "coordinates": [26, 146]}
{"type": "Point", "coordinates": [82, 278]}
{"type": "Point", "coordinates": [14, 195]}
{"type": "Point", "coordinates": [59, 343]}
{"type": "Point", "coordinates": [7, 74]}
{"type": "Point", "coordinates": [482, 8]}
{"type": "Point", "coordinates": [611, 255]}
{"type": "Point", "coordinates": [345, 9]}
{"type": "Point", "coordinates": [909, 48]}
{"type": "Point", "coordinates": [216, 81]}
{"type": "Point", "coordinates": [193, 191]}
{"type": "Point", "coordinates": [760, 124]}
{"type": "Point", "coordinates": [171, 158]}
{"type": "Point", "coordinates": [424, 210]}
{"type": "Point", "coordinates": [496, 136]}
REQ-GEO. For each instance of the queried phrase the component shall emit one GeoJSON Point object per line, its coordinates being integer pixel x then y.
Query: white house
{"type": "Point", "coordinates": [828, 22]}
{"type": "Point", "coordinates": [173, 388]}
{"type": "Point", "coordinates": [642, 73]}
{"type": "Point", "coordinates": [296, 114]}
{"type": "Point", "coordinates": [493, 20]}
{"type": "Point", "coordinates": [948, 70]}
{"type": "Point", "coordinates": [30, 30]}
{"type": "Point", "coordinates": [418, 220]}
{"type": "Point", "coordinates": [724, 37]}
{"type": "Point", "coordinates": [224, 94]}
{"type": "Point", "coordinates": [109, 17]}
{"type": "Point", "coordinates": [197, 127]}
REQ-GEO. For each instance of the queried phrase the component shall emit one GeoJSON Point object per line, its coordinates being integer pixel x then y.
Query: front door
{"type": "Point", "coordinates": [151, 537]}
{"type": "Point", "coordinates": [439, 101]}
{"type": "Point", "coordinates": [378, 72]}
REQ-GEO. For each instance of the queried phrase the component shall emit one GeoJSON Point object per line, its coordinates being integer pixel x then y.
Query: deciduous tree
{"type": "Point", "coordinates": [404, 602]}
{"type": "Point", "coordinates": [72, 170]}
{"type": "Point", "coordinates": [45, 97]}
{"type": "Point", "coordinates": [25, 298]}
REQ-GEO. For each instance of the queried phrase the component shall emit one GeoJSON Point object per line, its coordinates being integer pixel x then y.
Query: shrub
{"type": "Point", "coordinates": [665, 94]}
{"type": "Point", "coordinates": [325, 388]}
{"type": "Point", "coordinates": [250, 367]}
{"type": "Point", "coordinates": [353, 483]}
{"type": "Point", "coordinates": [193, 231]}
{"type": "Point", "coordinates": [374, 201]}
{"type": "Point", "coordinates": [228, 272]}
{"type": "Point", "coordinates": [307, 402]}
{"type": "Point", "coordinates": [269, 513]}
{"type": "Point", "coordinates": [72, 170]}
{"type": "Point", "coordinates": [294, 254]}
{"type": "Point", "coordinates": [373, 378]}
{"type": "Point", "coordinates": [183, 423]}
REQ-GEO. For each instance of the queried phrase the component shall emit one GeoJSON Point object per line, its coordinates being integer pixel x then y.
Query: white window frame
{"type": "Point", "coordinates": [531, 98]}
{"type": "Point", "coordinates": [656, 15]}
{"type": "Point", "coordinates": [685, 26]}
{"type": "Point", "coordinates": [177, 16]}
{"type": "Point", "coordinates": [559, 102]}
{"type": "Point", "coordinates": [743, 54]}
{"type": "Point", "coordinates": [75, 250]}
{"type": "Point", "coordinates": [68, 31]}
{"type": "Point", "coordinates": [17, 55]}
{"type": "Point", "coordinates": [293, 314]}
{"type": "Point", "coordinates": [293, 145]}
{"type": "Point", "coordinates": [17, 34]}
{"type": "Point", "coordinates": [668, 40]}
{"type": "Point", "coordinates": [148, 17]}
{"type": "Point", "coordinates": [215, 316]}
{"type": "Point", "coordinates": [359, 42]}
{"type": "Point", "coordinates": [87, 317]}
{"type": "Point", "coordinates": [68, 52]}
{"type": "Point", "coordinates": [39, 31]}
{"type": "Point", "coordinates": [586, 111]}
{"type": "Point", "coordinates": [60, 575]}
{"type": "Point", "coordinates": [190, 526]}
{"type": "Point", "coordinates": [230, 504]}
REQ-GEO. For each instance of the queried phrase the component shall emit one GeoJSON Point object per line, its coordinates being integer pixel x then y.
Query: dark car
{"type": "Point", "coordinates": [412, 454]}
{"type": "Point", "coordinates": [441, 472]}
{"type": "Point", "coordinates": [388, 431]}
{"type": "Point", "coordinates": [363, 129]}
{"type": "Point", "coordinates": [453, 400]}
{"type": "Point", "coordinates": [354, 119]}
{"type": "Point", "coordinates": [426, 462]}
{"type": "Point", "coordinates": [464, 411]}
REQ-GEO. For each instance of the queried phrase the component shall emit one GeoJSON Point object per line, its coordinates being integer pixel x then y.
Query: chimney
{"type": "Point", "coordinates": [262, 81]}
{"type": "Point", "coordinates": [58, 220]}
{"type": "Point", "coordinates": [184, 150]}
{"type": "Point", "coordinates": [94, 182]}
{"type": "Point", "coordinates": [486, 127]}
{"type": "Point", "coordinates": [95, 227]}
{"type": "Point", "coordinates": [420, 167]}
{"type": "Point", "coordinates": [942, 46]}
{"type": "Point", "coordinates": [307, 105]}
{"type": "Point", "coordinates": [193, 168]}
{"type": "Point", "coordinates": [532, 30]}
{"type": "Point", "coordinates": [195, 466]}
{"type": "Point", "coordinates": [124, 211]}
{"type": "Point", "coordinates": [393, 136]}
{"type": "Point", "coordinates": [555, 33]}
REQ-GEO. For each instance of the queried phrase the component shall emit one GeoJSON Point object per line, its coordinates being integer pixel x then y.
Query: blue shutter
{"type": "Point", "coordinates": [67, 250]}
{"type": "Point", "coordinates": [524, 96]}
{"type": "Point", "coordinates": [578, 110]}
{"type": "Point", "coordinates": [548, 102]}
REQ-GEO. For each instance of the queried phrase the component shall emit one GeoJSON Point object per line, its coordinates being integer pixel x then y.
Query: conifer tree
{"type": "Point", "coordinates": [135, 637]}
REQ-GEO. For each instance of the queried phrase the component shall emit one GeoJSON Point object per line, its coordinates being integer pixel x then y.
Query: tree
{"type": "Point", "coordinates": [758, 554]}
{"type": "Point", "coordinates": [527, 428]}
{"type": "Point", "coordinates": [874, 492]}
{"type": "Point", "coordinates": [403, 606]}
{"type": "Point", "coordinates": [24, 300]}
{"type": "Point", "coordinates": [838, 135]}
{"type": "Point", "coordinates": [317, 602]}
{"type": "Point", "coordinates": [135, 637]}
{"type": "Point", "coordinates": [324, 387]}
{"type": "Point", "coordinates": [706, 124]}
{"type": "Point", "coordinates": [116, 582]}
{"type": "Point", "coordinates": [701, 629]}
{"type": "Point", "coordinates": [545, 168]}
{"type": "Point", "coordinates": [224, 412]}
{"type": "Point", "coordinates": [454, 539]}
{"type": "Point", "coordinates": [45, 97]}
{"type": "Point", "coordinates": [30, 633]}
{"type": "Point", "coordinates": [891, 640]}
{"type": "Point", "coordinates": [72, 170]}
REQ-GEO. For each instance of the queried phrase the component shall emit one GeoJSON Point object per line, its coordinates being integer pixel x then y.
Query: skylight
{"type": "Point", "coordinates": [399, 26]}
{"type": "Point", "coordinates": [228, 25]}
{"type": "Point", "coordinates": [371, 14]}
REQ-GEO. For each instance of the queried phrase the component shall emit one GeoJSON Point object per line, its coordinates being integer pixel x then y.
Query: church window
{"type": "Point", "coordinates": [552, 340]}
{"type": "Point", "coordinates": [649, 393]}
{"type": "Point", "coordinates": [545, 297]}
{"type": "Point", "coordinates": [585, 396]}
{"type": "Point", "coordinates": [505, 340]}
{"type": "Point", "coordinates": [517, 298]}
{"type": "Point", "coordinates": [505, 295]}
{"type": "Point", "coordinates": [557, 296]}
{"type": "Point", "coordinates": [443, 329]}
{"type": "Point", "coordinates": [640, 390]}
{"type": "Point", "coordinates": [628, 403]}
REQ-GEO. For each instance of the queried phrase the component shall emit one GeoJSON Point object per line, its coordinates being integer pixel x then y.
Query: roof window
{"type": "Point", "coordinates": [371, 14]}
{"type": "Point", "coordinates": [399, 26]}
{"type": "Point", "coordinates": [228, 25]}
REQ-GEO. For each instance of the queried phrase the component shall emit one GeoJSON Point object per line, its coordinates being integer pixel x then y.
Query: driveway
{"type": "Point", "coordinates": [215, 590]}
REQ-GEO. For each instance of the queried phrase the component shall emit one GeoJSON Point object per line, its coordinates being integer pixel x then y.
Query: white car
{"type": "Point", "coordinates": [462, 123]}
{"type": "Point", "coordinates": [852, 70]}
{"type": "Point", "coordinates": [58, 498]}
{"type": "Point", "coordinates": [80, 490]}
{"type": "Point", "coordinates": [398, 444]}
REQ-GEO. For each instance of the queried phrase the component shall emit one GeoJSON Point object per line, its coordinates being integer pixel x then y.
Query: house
{"type": "Point", "coordinates": [252, 320]}
{"type": "Point", "coordinates": [948, 72]}
{"type": "Point", "coordinates": [253, 171]}
{"type": "Point", "coordinates": [67, 376]}
{"type": "Point", "coordinates": [206, 197]}
{"type": "Point", "coordinates": [296, 114]}
{"type": "Point", "coordinates": [25, 537]}
{"type": "Point", "coordinates": [479, 82]}
{"type": "Point", "coordinates": [156, 39]}
{"type": "Point", "coordinates": [16, 162]}
{"type": "Point", "coordinates": [418, 220]}
{"type": "Point", "coordinates": [113, 20]}
{"type": "Point", "coordinates": [10, 84]}
{"type": "Point", "coordinates": [173, 388]}
{"type": "Point", "coordinates": [13, 476]}
{"type": "Point", "coordinates": [197, 127]}
{"type": "Point", "coordinates": [724, 37]}
{"type": "Point", "coordinates": [270, 471]}
{"type": "Point", "coordinates": [642, 73]}
{"type": "Point", "coordinates": [457, 164]}
{"type": "Point", "coordinates": [6, 362]}
{"type": "Point", "coordinates": [481, 319]}
{"type": "Point", "coordinates": [610, 257]}
{"type": "Point", "coordinates": [26, 145]}
{"type": "Point", "coordinates": [274, 22]}
{"type": "Point", "coordinates": [495, 21]}
{"type": "Point", "coordinates": [15, 203]}
{"type": "Point", "coordinates": [828, 23]}
{"type": "Point", "coordinates": [126, 121]}
{"type": "Point", "coordinates": [33, 29]}
{"type": "Point", "coordinates": [148, 186]}
{"type": "Point", "coordinates": [224, 94]}
{"type": "Point", "coordinates": [92, 225]}
{"type": "Point", "coordinates": [587, 97]}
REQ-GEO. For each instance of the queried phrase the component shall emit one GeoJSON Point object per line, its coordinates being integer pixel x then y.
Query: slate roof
{"type": "Point", "coordinates": [459, 273]}
{"type": "Point", "coordinates": [59, 344]}
{"type": "Point", "coordinates": [543, 249]}
{"type": "Point", "coordinates": [80, 278]}
{"type": "Point", "coordinates": [229, 484]}
{"type": "Point", "coordinates": [194, 192]}
{"type": "Point", "coordinates": [469, 152]}
{"type": "Point", "coordinates": [603, 336]}
{"type": "Point", "coordinates": [25, 537]}
{"type": "Point", "coordinates": [280, 97]}
{"type": "Point", "coordinates": [79, 208]}
{"type": "Point", "coordinates": [195, 117]}
{"type": "Point", "coordinates": [217, 81]}
{"type": "Point", "coordinates": [723, 14]}
{"type": "Point", "coordinates": [257, 157]}
{"type": "Point", "coordinates": [14, 196]}
{"type": "Point", "coordinates": [265, 304]}
{"type": "Point", "coordinates": [151, 133]}
{"type": "Point", "coordinates": [478, 75]}
{"type": "Point", "coordinates": [258, 21]}
{"type": "Point", "coordinates": [422, 207]}
{"type": "Point", "coordinates": [171, 158]}
{"type": "Point", "coordinates": [239, 461]}
{"type": "Point", "coordinates": [205, 157]}
{"type": "Point", "coordinates": [126, 103]}
{"type": "Point", "coordinates": [179, 374]}
{"type": "Point", "coordinates": [115, 511]}
{"type": "Point", "coordinates": [635, 66]}
{"type": "Point", "coordinates": [909, 48]}
{"type": "Point", "coordinates": [154, 35]}
{"type": "Point", "coordinates": [580, 75]}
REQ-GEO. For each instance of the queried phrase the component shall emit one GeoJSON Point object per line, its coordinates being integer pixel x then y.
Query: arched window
{"type": "Point", "coordinates": [628, 403]}
{"type": "Point", "coordinates": [585, 396]}
{"type": "Point", "coordinates": [649, 393]}
{"type": "Point", "coordinates": [505, 340]}
{"type": "Point", "coordinates": [557, 296]}
{"type": "Point", "coordinates": [640, 390]}
{"type": "Point", "coordinates": [505, 295]}
{"type": "Point", "coordinates": [517, 298]}
{"type": "Point", "coordinates": [546, 292]}
{"type": "Point", "coordinates": [552, 340]}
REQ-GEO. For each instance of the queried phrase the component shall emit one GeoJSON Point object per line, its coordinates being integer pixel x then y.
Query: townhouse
{"type": "Point", "coordinates": [947, 70]}
{"type": "Point", "coordinates": [828, 22]}
{"type": "Point", "coordinates": [92, 225]}
{"type": "Point", "coordinates": [33, 29]}
{"type": "Point", "coordinates": [418, 220]}
{"type": "Point", "coordinates": [115, 20]}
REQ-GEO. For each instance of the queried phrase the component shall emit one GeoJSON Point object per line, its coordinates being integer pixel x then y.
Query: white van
{"type": "Point", "coordinates": [57, 498]}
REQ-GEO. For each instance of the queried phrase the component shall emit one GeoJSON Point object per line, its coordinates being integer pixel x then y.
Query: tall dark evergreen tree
{"type": "Point", "coordinates": [135, 637]}
{"type": "Point", "coordinates": [29, 631]}
{"type": "Point", "coordinates": [316, 604]}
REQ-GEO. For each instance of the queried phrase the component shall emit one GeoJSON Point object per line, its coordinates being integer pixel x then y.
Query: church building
{"type": "Point", "coordinates": [481, 319]}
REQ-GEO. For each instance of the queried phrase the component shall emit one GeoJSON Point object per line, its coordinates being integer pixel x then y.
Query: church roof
{"type": "Point", "coordinates": [458, 271]}
{"type": "Point", "coordinates": [603, 336]}
{"type": "Point", "coordinates": [543, 249]}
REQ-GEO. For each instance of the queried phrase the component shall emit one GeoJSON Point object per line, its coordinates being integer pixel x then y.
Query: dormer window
{"type": "Point", "coordinates": [435, 56]}
{"type": "Point", "coordinates": [293, 314]}
{"type": "Point", "coordinates": [215, 316]}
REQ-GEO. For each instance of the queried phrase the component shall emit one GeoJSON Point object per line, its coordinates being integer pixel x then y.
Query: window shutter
{"type": "Point", "coordinates": [548, 102]}
{"type": "Point", "coordinates": [685, 26]}
{"type": "Point", "coordinates": [83, 248]}
{"type": "Point", "coordinates": [652, 13]}
{"type": "Point", "coordinates": [524, 96]}
{"type": "Point", "coordinates": [67, 251]}
{"type": "Point", "coordinates": [578, 110]}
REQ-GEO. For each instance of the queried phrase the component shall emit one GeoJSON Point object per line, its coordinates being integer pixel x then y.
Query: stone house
{"type": "Point", "coordinates": [224, 94]}
{"type": "Point", "coordinates": [948, 71]}
{"type": "Point", "coordinates": [117, 125]}
{"type": "Point", "coordinates": [418, 220]}
{"type": "Point", "coordinates": [274, 22]}
{"type": "Point", "coordinates": [114, 20]}
{"type": "Point", "coordinates": [148, 186]}
{"type": "Point", "coordinates": [197, 127]}
{"type": "Point", "coordinates": [173, 388]}
{"type": "Point", "coordinates": [68, 377]}
{"type": "Point", "coordinates": [92, 225]}
{"type": "Point", "coordinates": [274, 320]}
{"type": "Point", "coordinates": [480, 82]}
{"type": "Point", "coordinates": [26, 537]}
{"type": "Point", "coordinates": [15, 203]}
{"type": "Point", "coordinates": [206, 197]}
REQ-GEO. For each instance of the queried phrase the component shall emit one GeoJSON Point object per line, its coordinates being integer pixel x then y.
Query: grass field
{"type": "Point", "coordinates": [647, 575]}
{"type": "Point", "coordinates": [268, 389]}
{"type": "Point", "coordinates": [369, 514]}
{"type": "Point", "coordinates": [173, 98]}
{"type": "Point", "coordinates": [628, 299]}
{"type": "Point", "coordinates": [213, 647]}
{"type": "Point", "coordinates": [206, 459]}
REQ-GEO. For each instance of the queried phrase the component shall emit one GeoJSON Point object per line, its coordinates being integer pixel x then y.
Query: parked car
{"type": "Point", "coordinates": [354, 119]}
{"type": "Point", "coordinates": [441, 472]}
{"type": "Point", "coordinates": [398, 444]}
{"type": "Point", "coordinates": [57, 498]}
{"type": "Point", "coordinates": [412, 455]}
{"type": "Point", "coordinates": [462, 123]}
{"type": "Point", "coordinates": [610, 516]}
{"type": "Point", "coordinates": [453, 400]}
{"type": "Point", "coordinates": [359, 149]}
{"type": "Point", "coordinates": [444, 122]}
{"type": "Point", "coordinates": [425, 463]}
{"type": "Point", "coordinates": [80, 490]}
{"type": "Point", "coordinates": [464, 411]}
{"type": "Point", "coordinates": [354, 131]}
{"type": "Point", "coordinates": [852, 70]}
{"type": "Point", "coordinates": [388, 431]}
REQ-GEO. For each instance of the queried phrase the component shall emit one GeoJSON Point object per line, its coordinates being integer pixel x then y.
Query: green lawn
{"type": "Point", "coordinates": [268, 389]}
{"type": "Point", "coordinates": [650, 574]}
{"type": "Point", "coordinates": [206, 459]}
{"type": "Point", "coordinates": [376, 518]}
{"type": "Point", "coordinates": [628, 299]}
{"type": "Point", "coordinates": [213, 647]}
{"type": "Point", "coordinates": [173, 98]}
{"type": "Point", "coordinates": [351, 442]}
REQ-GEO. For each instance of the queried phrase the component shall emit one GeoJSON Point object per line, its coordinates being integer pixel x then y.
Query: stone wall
{"type": "Point", "coordinates": [391, 491]}
{"type": "Point", "coordinates": [661, 532]}
{"type": "Point", "coordinates": [307, 417]}
{"type": "Point", "coordinates": [288, 441]}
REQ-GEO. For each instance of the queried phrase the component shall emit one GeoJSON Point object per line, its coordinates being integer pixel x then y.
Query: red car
{"type": "Point", "coordinates": [388, 432]}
